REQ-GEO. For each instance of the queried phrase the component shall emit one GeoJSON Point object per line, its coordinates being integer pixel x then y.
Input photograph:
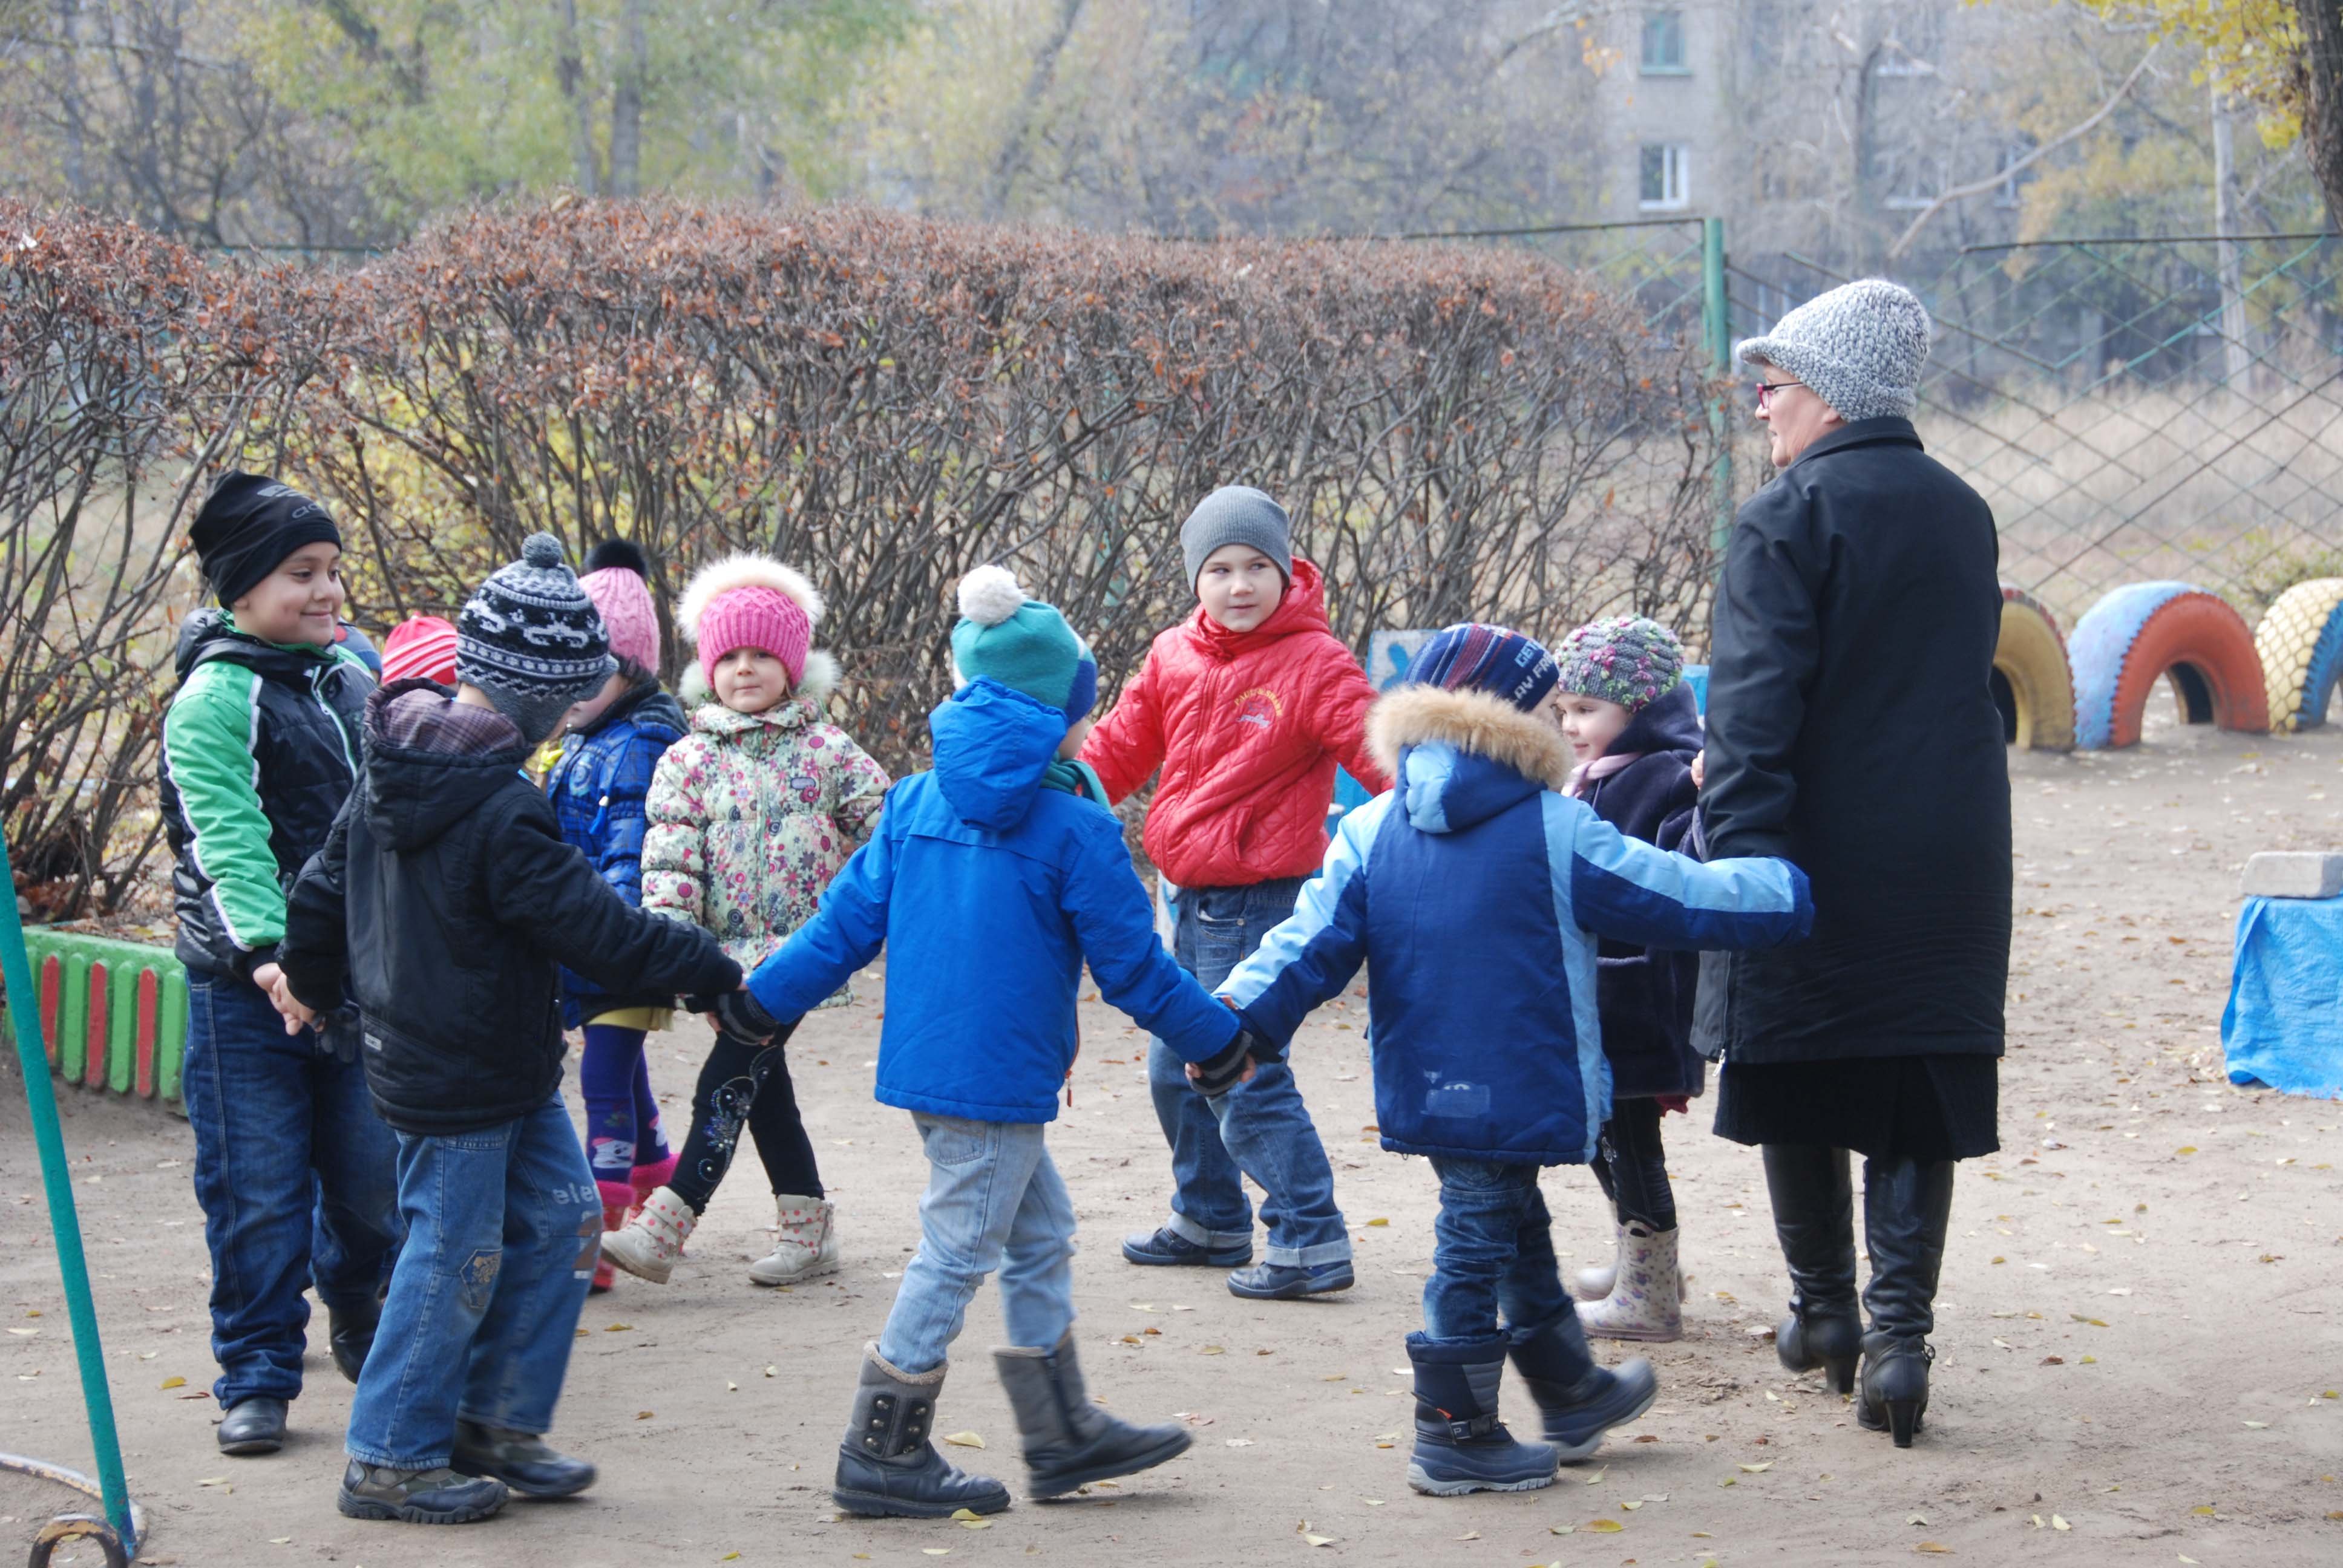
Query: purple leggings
{"type": "Point", "coordinates": [622, 1119]}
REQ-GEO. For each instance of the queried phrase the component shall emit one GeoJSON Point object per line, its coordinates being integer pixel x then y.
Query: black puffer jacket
{"type": "Point", "coordinates": [1646, 993]}
{"type": "Point", "coordinates": [1852, 730]}
{"type": "Point", "coordinates": [447, 892]}
{"type": "Point", "coordinates": [259, 750]}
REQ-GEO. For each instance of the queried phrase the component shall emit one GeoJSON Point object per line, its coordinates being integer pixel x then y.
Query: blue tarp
{"type": "Point", "coordinates": [2284, 1023]}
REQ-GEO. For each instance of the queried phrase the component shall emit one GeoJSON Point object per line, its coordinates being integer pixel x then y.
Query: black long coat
{"type": "Point", "coordinates": [1852, 729]}
{"type": "Point", "coordinates": [1645, 994]}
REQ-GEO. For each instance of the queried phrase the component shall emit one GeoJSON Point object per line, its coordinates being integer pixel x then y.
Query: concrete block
{"type": "Point", "coordinates": [2294, 874]}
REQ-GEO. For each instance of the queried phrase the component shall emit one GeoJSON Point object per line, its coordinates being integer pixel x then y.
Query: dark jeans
{"type": "Point", "coordinates": [1262, 1130]}
{"type": "Point", "coordinates": [1634, 1166]}
{"type": "Point", "coordinates": [297, 1178]}
{"type": "Point", "coordinates": [1492, 1253]}
{"type": "Point", "coordinates": [745, 1086]}
{"type": "Point", "coordinates": [504, 1228]}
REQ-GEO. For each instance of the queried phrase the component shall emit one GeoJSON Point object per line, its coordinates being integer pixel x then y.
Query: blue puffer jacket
{"type": "Point", "coordinates": [988, 888]}
{"type": "Point", "coordinates": [1474, 892]}
{"type": "Point", "coordinates": [597, 787]}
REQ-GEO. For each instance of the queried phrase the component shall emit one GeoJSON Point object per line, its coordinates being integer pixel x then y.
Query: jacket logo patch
{"type": "Point", "coordinates": [1259, 705]}
{"type": "Point", "coordinates": [1456, 1099]}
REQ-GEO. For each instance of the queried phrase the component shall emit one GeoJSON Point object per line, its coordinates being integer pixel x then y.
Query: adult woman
{"type": "Point", "coordinates": [1852, 730]}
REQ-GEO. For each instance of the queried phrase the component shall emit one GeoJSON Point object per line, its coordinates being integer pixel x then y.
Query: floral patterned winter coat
{"type": "Point", "coordinates": [751, 815]}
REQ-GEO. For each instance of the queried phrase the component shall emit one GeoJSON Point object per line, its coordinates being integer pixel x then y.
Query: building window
{"type": "Point", "coordinates": [1664, 182]}
{"type": "Point", "coordinates": [1664, 45]}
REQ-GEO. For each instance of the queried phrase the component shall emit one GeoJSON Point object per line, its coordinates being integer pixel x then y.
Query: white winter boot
{"type": "Point", "coordinates": [648, 1245]}
{"type": "Point", "coordinates": [1645, 1300]}
{"type": "Point", "coordinates": [808, 1244]}
{"type": "Point", "coordinates": [1594, 1284]}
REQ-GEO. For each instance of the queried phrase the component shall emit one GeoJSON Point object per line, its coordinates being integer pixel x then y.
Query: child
{"type": "Point", "coordinates": [448, 894]}
{"type": "Point", "coordinates": [1633, 731]}
{"type": "Point", "coordinates": [420, 648]}
{"type": "Point", "coordinates": [990, 882]}
{"type": "Point", "coordinates": [1476, 890]}
{"type": "Point", "coordinates": [1247, 705]}
{"type": "Point", "coordinates": [751, 815]}
{"type": "Point", "coordinates": [294, 1170]}
{"type": "Point", "coordinates": [597, 787]}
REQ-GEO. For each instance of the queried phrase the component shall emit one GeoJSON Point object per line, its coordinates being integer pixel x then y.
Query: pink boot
{"type": "Point", "coordinates": [649, 1178]}
{"type": "Point", "coordinates": [617, 1198]}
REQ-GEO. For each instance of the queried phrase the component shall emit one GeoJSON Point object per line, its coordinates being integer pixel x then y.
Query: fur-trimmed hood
{"type": "Point", "coordinates": [1462, 756]}
{"type": "Point", "coordinates": [719, 577]}
{"type": "Point", "coordinates": [821, 677]}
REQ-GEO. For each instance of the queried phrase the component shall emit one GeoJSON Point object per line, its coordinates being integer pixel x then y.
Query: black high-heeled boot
{"type": "Point", "coordinates": [1907, 1207]}
{"type": "Point", "coordinates": [1814, 1218]}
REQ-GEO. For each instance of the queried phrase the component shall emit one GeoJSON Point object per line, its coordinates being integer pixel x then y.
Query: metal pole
{"type": "Point", "coordinates": [1716, 326]}
{"type": "Point", "coordinates": [65, 1223]}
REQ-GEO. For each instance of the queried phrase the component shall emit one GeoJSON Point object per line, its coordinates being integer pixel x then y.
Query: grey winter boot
{"type": "Point", "coordinates": [886, 1465]}
{"type": "Point", "coordinates": [1069, 1442]}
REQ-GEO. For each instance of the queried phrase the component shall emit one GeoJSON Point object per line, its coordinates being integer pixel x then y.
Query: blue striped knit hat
{"type": "Point", "coordinates": [1474, 656]}
{"type": "Point", "coordinates": [1629, 659]}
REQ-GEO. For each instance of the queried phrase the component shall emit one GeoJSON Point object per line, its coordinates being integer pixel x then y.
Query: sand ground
{"type": "Point", "coordinates": [2139, 1347]}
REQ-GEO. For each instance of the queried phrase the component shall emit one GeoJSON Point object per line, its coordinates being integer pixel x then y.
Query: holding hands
{"type": "Point", "coordinates": [270, 979]}
{"type": "Point", "coordinates": [738, 1014]}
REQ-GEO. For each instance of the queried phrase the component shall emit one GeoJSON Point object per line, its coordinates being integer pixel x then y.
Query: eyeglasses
{"type": "Point", "coordinates": [1765, 390]}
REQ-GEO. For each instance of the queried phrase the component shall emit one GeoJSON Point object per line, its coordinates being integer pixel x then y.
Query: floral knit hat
{"type": "Point", "coordinates": [1629, 659]}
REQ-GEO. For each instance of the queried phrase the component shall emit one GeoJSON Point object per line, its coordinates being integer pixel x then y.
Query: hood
{"type": "Point", "coordinates": [1462, 756]}
{"type": "Point", "coordinates": [993, 747]}
{"type": "Point", "coordinates": [821, 677]}
{"type": "Point", "coordinates": [210, 633]}
{"type": "Point", "coordinates": [1671, 723]}
{"type": "Point", "coordinates": [1303, 609]}
{"type": "Point", "coordinates": [430, 761]}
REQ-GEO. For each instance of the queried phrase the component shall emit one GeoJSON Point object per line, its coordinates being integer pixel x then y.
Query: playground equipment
{"type": "Point", "coordinates": [2300, 644]}
{"type": "Point", "coordinates": [113, 1014]}
{"type": "Point", "coordinates": [2145, 631]}
{"type": "Point", "coordinates": [2032, 683]}
{"type": "Point", "coordinates": [118, 1532]}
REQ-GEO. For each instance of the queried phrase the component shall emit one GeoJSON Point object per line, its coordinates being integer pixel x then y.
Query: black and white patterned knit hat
{"type": "Point", "coordinates": [531, 639]}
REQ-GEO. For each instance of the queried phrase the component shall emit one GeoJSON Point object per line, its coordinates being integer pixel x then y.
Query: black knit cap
{"type": "Point", "coordinates": [250, 523]}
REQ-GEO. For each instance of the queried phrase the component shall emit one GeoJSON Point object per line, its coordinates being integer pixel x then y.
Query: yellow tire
{"type": "Point", "coordinates": [2300, 642]}
{"type": "Point", "coordinates": [2037, 687]}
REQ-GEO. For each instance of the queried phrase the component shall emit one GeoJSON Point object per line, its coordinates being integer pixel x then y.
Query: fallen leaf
{"type": "Point", "coordinates": [965, 1515]}
{"type": "Point", "coordinates": [1239, 1442]}
{"type": "Point", "coordinates": [1213, 1350]}
{"type": "Point", "coordinates": [1914, 1519]}
{"type": "Point", "coordinates": [24, 1334]}
{"type": "Point", "coordinates": [1629, 1507]}
{"type": "Point", "coordinates": [730, 1557]}
{"type": "Point", "coordinates": [642, 1415]}
{"type": "Point", "coordinates": [2059, 1523]}
{"type": "Point", "coordinates": [1560, 1529]}
{"type": "Point", "coordinates": [1597, 1479]}
{"type": "Point", "coordinates": [2258, 1425]}
{"type": "Point", "coordinates": [2203, 1510]}
{"type": "Point", "coordinates": [935, 1550]}
{"type": "Point", "coordinates": [965, 1439]}
{"type": "Point", "coordinates": [1470, 1536]}
{"type": "Point", "coordinates": [1730, 1480]}
{"type": "Point", "coordinates": [174, 1382]}
{"type": "Point", "coordinates": [2186, 1149]}
{"type": "Point", "coordinates": [280, 1540]}
{"type": "Point", "coordinates": [1378, 1220]}
{"type": "Point", "coordinates": [976, 1525]}
{"type": "Point", "coordinates": [1932, 1546]}
{"type": "Point", "coordinates": [731, 1387]}
{"type": "Point", "coordinates": [2187, 1559]}
{"type": "Point", "coordinates": [1757, 1469]}
{"type": "Point", "coordinates": [1605, 1526]}
{"type": "Point", "coordinates": [1372, 1501]}
{"type": "Point", "coordinates": [619, 1329]}
{"type": "Point", "coordinates": [1318, 1539]}
{"type": "Point", "coordinates": [212, 1481]}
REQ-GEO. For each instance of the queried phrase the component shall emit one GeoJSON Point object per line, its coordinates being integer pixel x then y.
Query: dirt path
{"type": "Point", "coordinates": [2141, 1320]}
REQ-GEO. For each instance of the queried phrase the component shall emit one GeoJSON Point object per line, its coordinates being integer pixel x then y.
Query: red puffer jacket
{"type": "Point", "coordinates": [1247, 727]}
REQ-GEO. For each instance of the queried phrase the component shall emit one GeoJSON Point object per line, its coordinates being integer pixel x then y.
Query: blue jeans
{"type": "Point", "coordinates": [1260, 1129]}
{"type": "Point", "coordinates": [1492, 1253]}
{"type": "Point", "coordinates": [297, 1179]}
{"type": "Point", "coordinates": [994, 1200]}
{"type": "Point", "coordinates": [503, 1230]}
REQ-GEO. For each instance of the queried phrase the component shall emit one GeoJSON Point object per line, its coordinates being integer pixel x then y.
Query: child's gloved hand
{"type": "Point", "coordinates": [1224, 1072]}
{"type": "Point", "coordinates": [738, 1014]}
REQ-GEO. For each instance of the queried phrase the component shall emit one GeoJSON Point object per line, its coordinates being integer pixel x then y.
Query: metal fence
{"type": "Point", "coordinates": [2132, 409]}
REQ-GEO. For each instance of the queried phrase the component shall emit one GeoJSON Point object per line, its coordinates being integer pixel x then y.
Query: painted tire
{"type": "Point", "coordinates": [2301, 647]}
{"type": "Point", "coordinates": [2035, 685]}
{"type": "Point", "coordinates": [2136, 636]}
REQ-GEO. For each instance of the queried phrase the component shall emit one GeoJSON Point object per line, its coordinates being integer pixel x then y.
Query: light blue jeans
{"type": "Point", "coordinates": [503, 1230]}
{"type": "Point", "coordinates": [1259, 1129]}
{"type": "Point", "coordinates": [994, 1200]}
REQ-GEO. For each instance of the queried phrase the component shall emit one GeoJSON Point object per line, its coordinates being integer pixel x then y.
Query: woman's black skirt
{"type": "Point", "coordinates": [1925, 1108]}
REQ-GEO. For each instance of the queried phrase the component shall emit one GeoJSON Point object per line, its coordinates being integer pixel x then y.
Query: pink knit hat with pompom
{"type": "Point", "coordinates": [750, 601]}
{"type": "Point", "coordinates": [617, 579]}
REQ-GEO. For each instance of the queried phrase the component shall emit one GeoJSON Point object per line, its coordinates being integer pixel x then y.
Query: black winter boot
{"type": "Point", "coordinates": [349, 1335]}
{"type": "Point", "coordinates": [1069, 1442]}
{"type": "Point", "coordinates": [1579, 1401]}
{"type": "Point", "coordinates": [1814, 1217]}
{"type": "Point", "coordinates": [1461, 1446]}
{"type": "Point", "coordinates": [886, 1465]}
{"type": "Point", "coordinates": [1907, 1207]}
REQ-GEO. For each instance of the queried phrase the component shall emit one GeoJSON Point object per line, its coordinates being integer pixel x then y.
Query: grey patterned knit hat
{"type": "Point", "coordinates": [531, 639]}
{"type": "Point", "coordinates": [1629, 659]}
{"type": "Point", "coordinates": [1860, 348]}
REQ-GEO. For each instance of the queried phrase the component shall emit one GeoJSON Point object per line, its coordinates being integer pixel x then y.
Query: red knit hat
{"type": "Point", "coordinates": [421, 646]}
{"type": "Point", "coordinates": [750, 601]}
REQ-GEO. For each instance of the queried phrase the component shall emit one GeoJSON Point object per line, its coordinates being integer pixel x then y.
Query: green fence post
{"type": "Point", "coordinates": [65, 1223]}
{"type": "Point", "coordinates": [1716, 326]}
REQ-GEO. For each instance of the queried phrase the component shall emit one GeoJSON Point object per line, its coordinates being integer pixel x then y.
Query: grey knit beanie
{"type": "Point", "coordinates": [1860, 348]}
{"type": "Point", "coordinates": [1237, 515]}
{"type": "Point", "coordinates": [532, 641]}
